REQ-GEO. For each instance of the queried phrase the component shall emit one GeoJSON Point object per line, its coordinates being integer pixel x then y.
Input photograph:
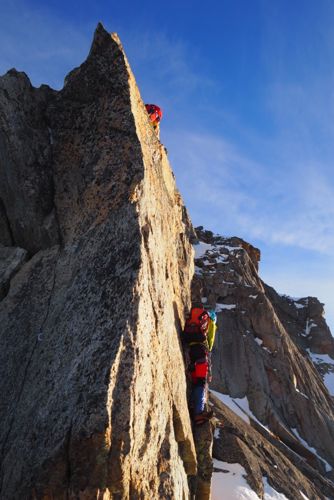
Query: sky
{"type": "Point", "coordinates": [247, 91]}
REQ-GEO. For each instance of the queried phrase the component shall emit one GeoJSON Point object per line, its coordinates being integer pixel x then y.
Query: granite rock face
{"type": "Point", "coordinates": [93, 390]}
{"type": "Point", "coordinates": [271, 349]}
{"type": "Point", "coordinates": [26, 183]}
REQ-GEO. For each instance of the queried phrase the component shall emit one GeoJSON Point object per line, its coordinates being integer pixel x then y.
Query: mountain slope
{"type": "Point", "coordinates": [263, 352]}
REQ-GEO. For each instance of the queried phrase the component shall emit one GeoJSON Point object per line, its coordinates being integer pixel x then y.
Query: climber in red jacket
{"type": "Point", "coordinates": [199, 335]}
{"type": "Point", "coordinates": [155, 114]}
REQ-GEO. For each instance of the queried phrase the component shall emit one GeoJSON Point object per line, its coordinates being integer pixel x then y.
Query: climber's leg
{"type": "Point", "coordinates": [198, 396]}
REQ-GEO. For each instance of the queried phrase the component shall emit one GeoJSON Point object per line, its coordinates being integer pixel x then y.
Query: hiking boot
{"type": "Point", "coordinates": [203, 417]}
{"type": "Point", "coordinates": [207, 414]}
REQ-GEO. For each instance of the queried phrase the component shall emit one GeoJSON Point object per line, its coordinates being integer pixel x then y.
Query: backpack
{"type": "Point", "coordinates": [200, 370]}
{"type": "Point", "coordinates": [196, 327]}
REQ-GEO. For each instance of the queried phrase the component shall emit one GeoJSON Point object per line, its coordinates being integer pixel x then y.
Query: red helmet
{"type": "Point", "coordinates": [155, 113]}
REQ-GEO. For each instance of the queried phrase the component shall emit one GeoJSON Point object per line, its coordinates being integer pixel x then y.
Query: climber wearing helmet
{"type": "Point", "coordinates": [199, 334]}
{"type": "Point", "coordinates": [155, 115]}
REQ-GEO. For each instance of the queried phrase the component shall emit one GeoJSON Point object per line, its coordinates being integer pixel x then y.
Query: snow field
{"type": "Point", "coordinates": [229, 483]}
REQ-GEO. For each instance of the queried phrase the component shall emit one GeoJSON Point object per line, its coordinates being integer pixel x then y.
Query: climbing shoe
{"type": "Point", "coordinates": [203, 417]}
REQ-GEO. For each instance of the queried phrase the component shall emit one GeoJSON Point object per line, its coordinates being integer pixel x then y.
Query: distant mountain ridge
{"type": "Point", "coordinates": [275, 353]}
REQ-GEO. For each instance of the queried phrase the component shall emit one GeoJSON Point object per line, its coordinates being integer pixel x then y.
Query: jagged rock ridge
{"type": "Point", "coordinates": [95, 279]}
{"type": "Point", "coordinates": [264, 352]}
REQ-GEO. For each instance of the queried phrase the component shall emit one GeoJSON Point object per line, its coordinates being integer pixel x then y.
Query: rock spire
{"type": "Point", "coordinates": [95, 234]}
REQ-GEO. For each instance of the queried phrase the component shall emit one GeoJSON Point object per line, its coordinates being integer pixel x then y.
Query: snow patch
{"type": "Point", "coordinates": [313, 450]}
{"type": "Point", "coordinates": [252, 296]}
{"type": "Point", "coordinates": [309, 325]}
{"type": "Point", "coordinates": [221, 307]}
{"type": "Point", "coordinates": [231, 249]}
{"type": "Point", "coordinates": [221, 259]}
{"type": "Point", "coordinates": [201, 248]}
{"type": "Point", "coordinates": [270, 493]}
{"type": "Point", "coordinates": [240, 407]}
{"type": "Point", "coordinates": [217, 433]}
{"type": "Point", "coordinates": [320, 358]}
{"type": "Point", "coordinates": [231, 403]}
{"type": "Point", "coordinates": [229, 483]}
{"type": "Point", "coordinates": [258, 341]}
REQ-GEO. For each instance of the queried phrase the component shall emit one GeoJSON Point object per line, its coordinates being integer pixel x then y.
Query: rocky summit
{"type": "Point", "coordinates": [97, 275]}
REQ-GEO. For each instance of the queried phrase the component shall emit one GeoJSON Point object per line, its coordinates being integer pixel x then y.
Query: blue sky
{"type": "Point", "coordinates": [247, 90]}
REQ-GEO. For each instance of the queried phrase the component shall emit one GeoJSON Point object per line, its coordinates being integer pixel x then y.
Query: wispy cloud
{"type": "Point", "coordinates": [167, 69]}
{"type": "Point", "coordinates": [303, 116]}
{"type": "Point", "coordinates": [290, 205]}
{"type": "Point", "coordinates": [310, 223]}
{"type": "Point", "coordinates": [169, 60]}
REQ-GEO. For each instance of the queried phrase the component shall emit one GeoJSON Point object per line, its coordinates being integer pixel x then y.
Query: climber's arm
{"type": "Point", "coordinates": [211, 334]}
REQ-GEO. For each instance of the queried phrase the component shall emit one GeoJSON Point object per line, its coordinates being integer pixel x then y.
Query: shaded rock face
{"type": "Point", "coordinates": [26, 185]}
{"type": "Point", "coordinates": [93, 391]}
{"type": "Point", "coordinates": [265, 348]}
{"type": "Point", "coordinates": [11, 260]}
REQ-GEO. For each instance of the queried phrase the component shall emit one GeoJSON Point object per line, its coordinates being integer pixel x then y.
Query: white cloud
{"type": "Point", "coordinates": [291, 205]}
